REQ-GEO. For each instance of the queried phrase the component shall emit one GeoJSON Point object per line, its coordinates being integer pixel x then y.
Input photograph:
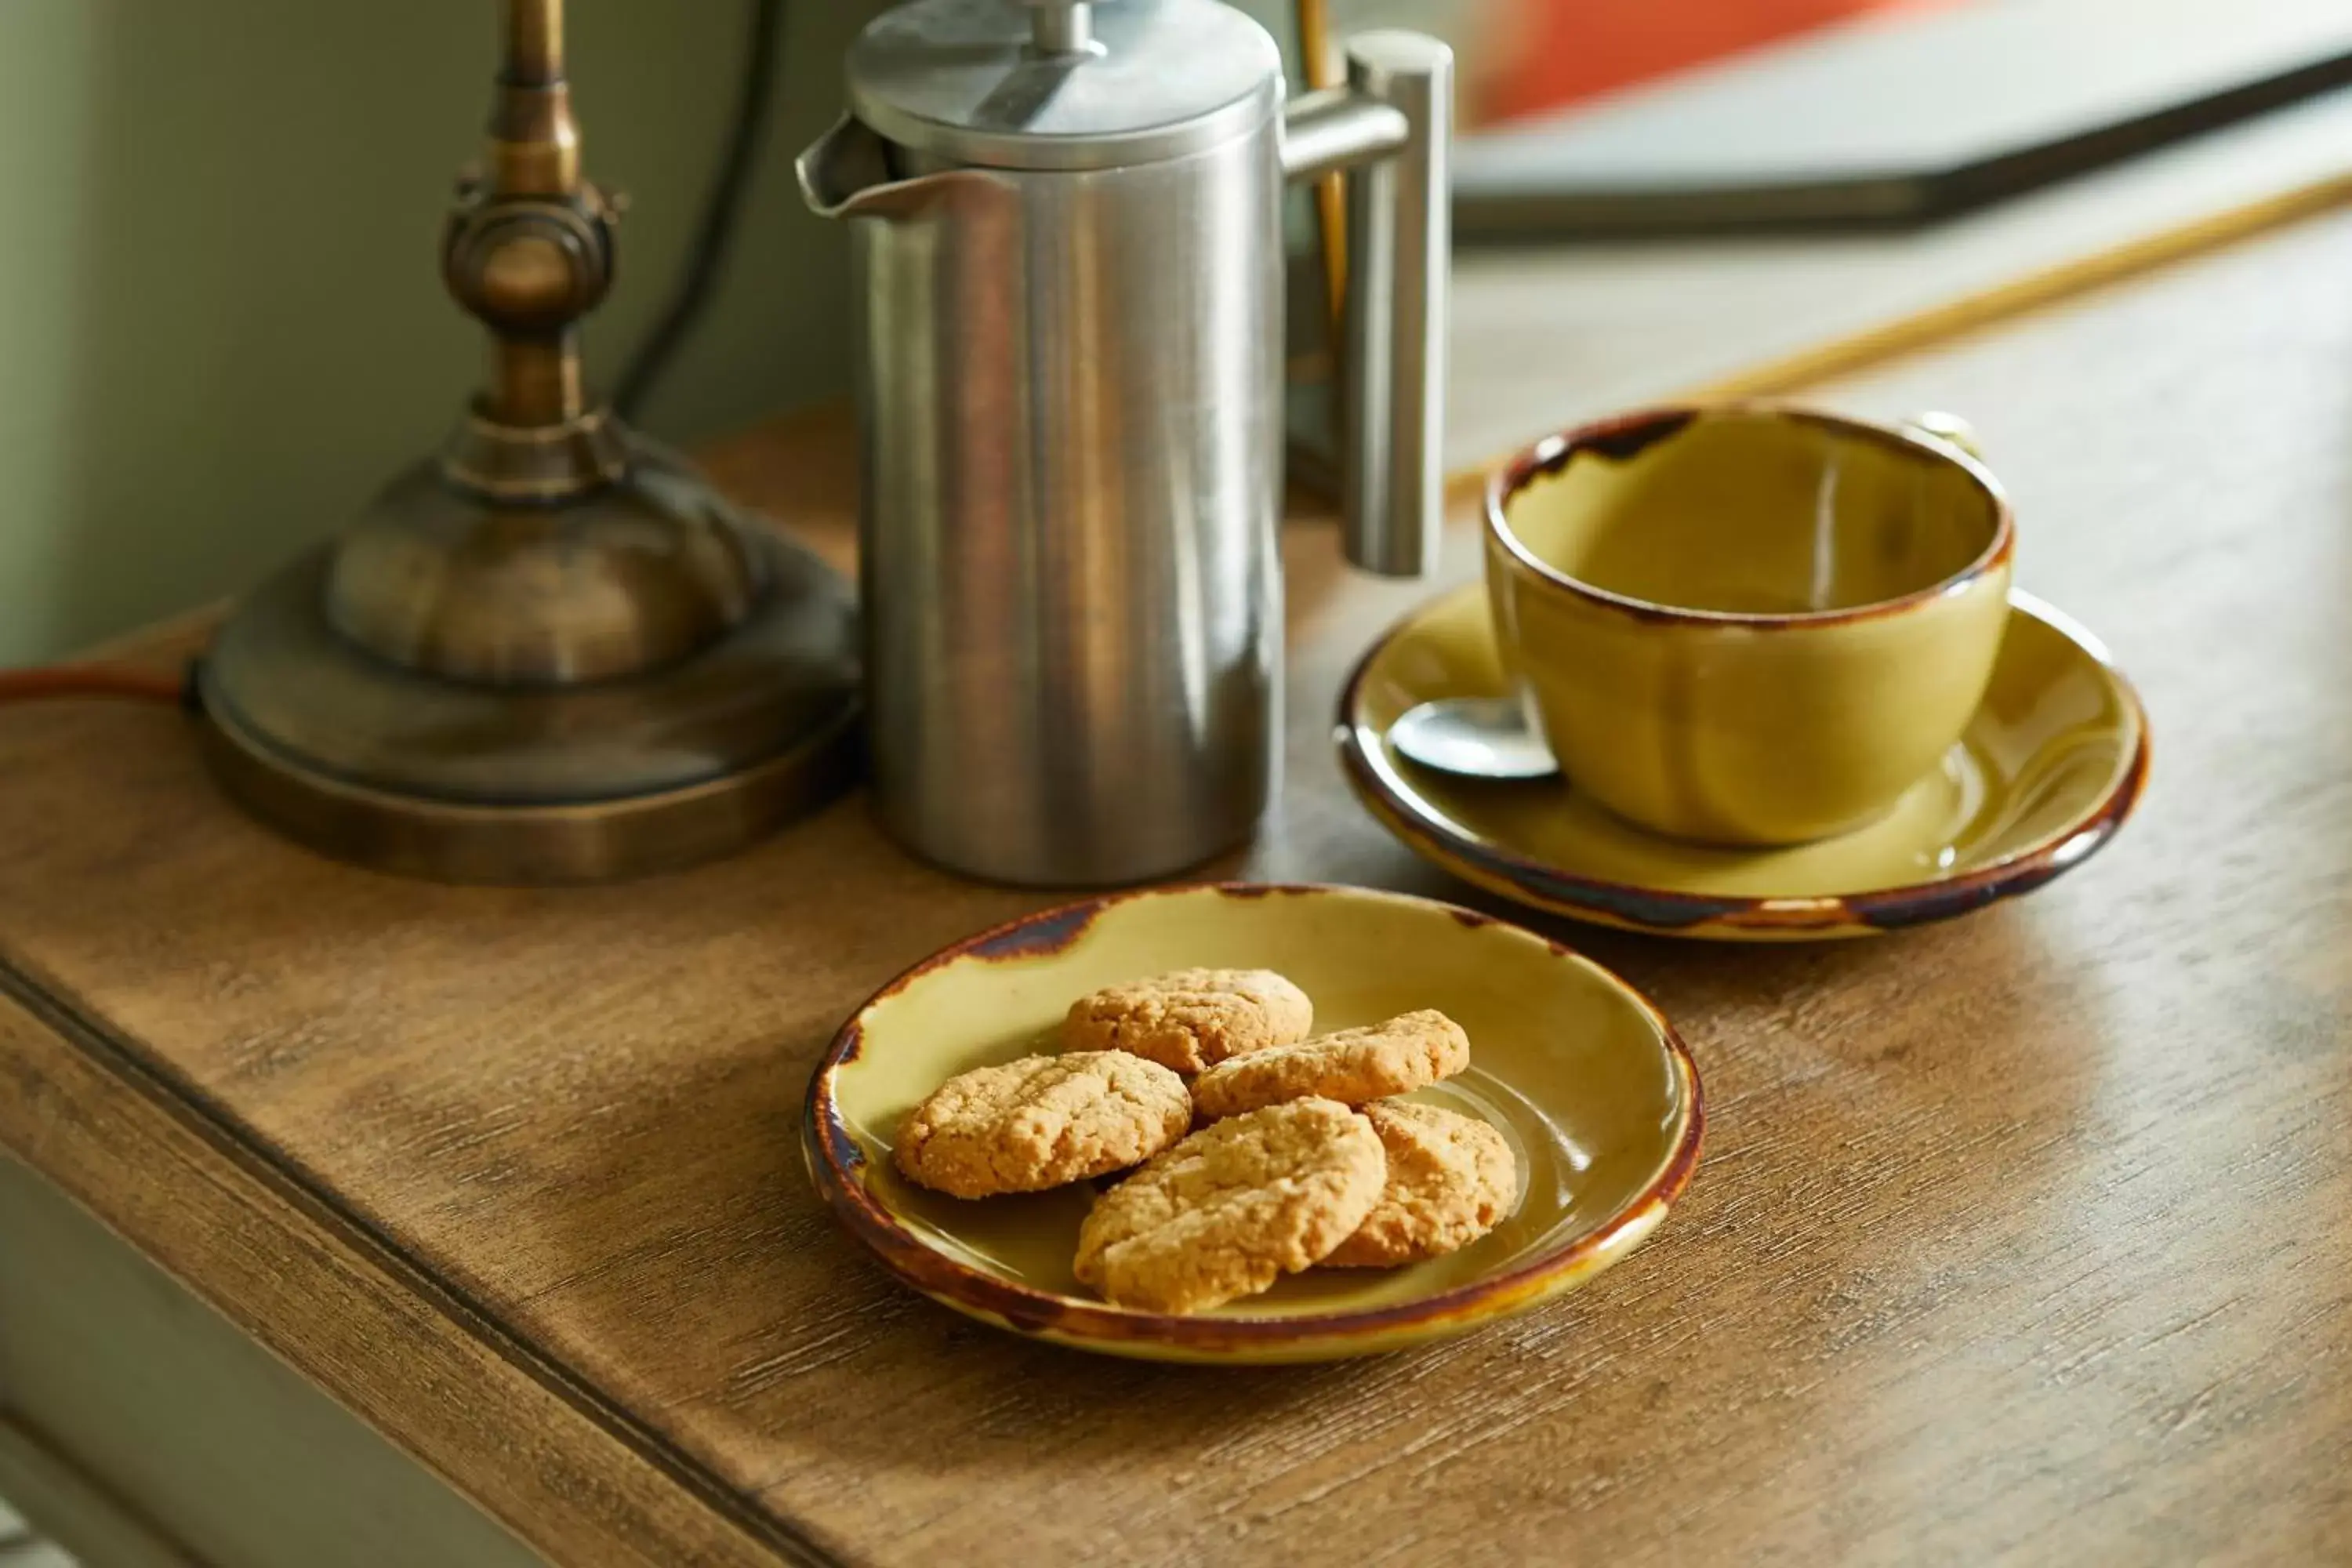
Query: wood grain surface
{"type": "Point", "coordinates": [2022, 1237]}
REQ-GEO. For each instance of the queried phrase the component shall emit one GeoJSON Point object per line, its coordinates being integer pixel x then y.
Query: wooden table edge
{"type": "Point", "coordinates": [321, 1291]}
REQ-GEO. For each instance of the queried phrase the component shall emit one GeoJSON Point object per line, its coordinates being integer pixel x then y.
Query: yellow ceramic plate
{"type": "Point", "coordinates": [1596, 1093]}
{"type": "Point", "coordinates": [2050, 766]}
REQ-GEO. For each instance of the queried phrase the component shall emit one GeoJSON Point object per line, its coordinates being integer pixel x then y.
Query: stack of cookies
{"type": "Point", "coordinates": [1301, 1156]}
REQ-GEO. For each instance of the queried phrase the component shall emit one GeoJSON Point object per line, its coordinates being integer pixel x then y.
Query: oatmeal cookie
{"type": "Point", "coordinates": [1040, 1121]}
{"type": "Point", "coordinates": [1354, 1066]}
{"type": "Point", "coordinates": [1234, 1207]}
{"type": "Point", "coordinates": [1191, 1018]}
{"type": "Point", "coordinates": [1452, 1178]}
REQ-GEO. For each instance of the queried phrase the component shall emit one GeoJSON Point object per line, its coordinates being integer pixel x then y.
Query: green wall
{"type": "Point", "coordinates": [221, 324]}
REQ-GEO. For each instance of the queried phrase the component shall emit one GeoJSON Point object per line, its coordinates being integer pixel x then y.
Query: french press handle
{"type": "Point", "coordinates": [1391, 128]}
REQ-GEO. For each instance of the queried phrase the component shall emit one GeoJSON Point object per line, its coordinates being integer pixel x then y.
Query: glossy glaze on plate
{"type": "Point", "coordinates": [2050, 767]}
{"type": "Point", "coordinates": [1597, 1097]}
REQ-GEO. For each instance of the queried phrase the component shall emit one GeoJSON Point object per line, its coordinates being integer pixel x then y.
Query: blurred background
{"type": "Point", "coordinates": [221, 325]}
{"type": "Point", "coordinates": [1523, 58]}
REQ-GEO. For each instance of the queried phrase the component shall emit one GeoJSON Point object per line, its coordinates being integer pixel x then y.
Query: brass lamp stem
{"type": "Point", "coordinates": [529, 252]}
{"type": "Point", "coordinates": [535, 42]}
{"type": "Point", "coordinates": [534, 141]}
{"type": "Point", "coordinates": [535, 382]}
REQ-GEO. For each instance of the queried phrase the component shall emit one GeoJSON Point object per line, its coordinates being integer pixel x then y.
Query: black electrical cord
{"type": "Point", "coordinates": [720, 212]}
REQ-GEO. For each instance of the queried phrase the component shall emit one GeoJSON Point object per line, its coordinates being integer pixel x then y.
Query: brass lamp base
{"type": "Point", "coordinates": [508, 780]}
{"type": "Point", "coordinates": [552, 653]}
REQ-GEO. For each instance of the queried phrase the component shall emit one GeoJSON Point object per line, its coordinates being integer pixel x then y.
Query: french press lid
{"type": "Point", "coordinates": [1062, 84]}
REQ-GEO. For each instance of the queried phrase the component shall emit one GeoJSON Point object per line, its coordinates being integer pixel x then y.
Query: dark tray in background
{"type": "Point", "coordinates": [1899, 119]}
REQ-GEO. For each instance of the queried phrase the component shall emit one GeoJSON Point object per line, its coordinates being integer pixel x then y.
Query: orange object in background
{"type": "Point", "coordinates": [1548, 53]}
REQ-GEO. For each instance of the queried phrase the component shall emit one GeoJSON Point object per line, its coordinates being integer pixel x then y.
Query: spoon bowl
{"type": "Point", "coordinates": [1474, 737]}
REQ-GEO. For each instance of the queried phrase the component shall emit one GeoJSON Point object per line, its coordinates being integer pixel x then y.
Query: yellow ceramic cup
{"type": "Point", "coordinates": [1748, 624]}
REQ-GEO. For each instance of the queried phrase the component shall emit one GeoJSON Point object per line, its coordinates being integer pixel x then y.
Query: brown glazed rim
{"type": "Point", "coordinates": [836, 1159]}
{"type": "Point", "coordinates": [1629, 907]}
{"type": "Point", "coordinates": [1625, 435]}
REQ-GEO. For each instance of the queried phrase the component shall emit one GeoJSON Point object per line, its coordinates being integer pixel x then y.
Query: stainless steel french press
{"type": "Point", "coordinates": [1069, 241]}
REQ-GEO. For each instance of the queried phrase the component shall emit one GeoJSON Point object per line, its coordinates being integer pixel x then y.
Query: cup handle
{"type": "Point", "coordinates": [1950, 428]}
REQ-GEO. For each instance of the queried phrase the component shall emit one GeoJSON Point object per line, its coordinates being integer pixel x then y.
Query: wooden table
{"type": "Point", "coordinates": [2025, 1236]}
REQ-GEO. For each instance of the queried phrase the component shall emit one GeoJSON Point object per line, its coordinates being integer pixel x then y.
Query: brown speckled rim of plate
{"type": "Point", "coordinates": [834, 1161]}
{"type": "Point", "coordinates": [1624, 436]}
{"type": "Point", "coordinates": [1664, 912]}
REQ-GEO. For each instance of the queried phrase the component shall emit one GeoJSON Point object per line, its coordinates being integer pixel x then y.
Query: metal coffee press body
{"type": "Point", "coordinates": [1068, 240]}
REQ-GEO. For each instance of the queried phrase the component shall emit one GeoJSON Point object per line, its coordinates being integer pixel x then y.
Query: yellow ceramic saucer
{"type": "Point", "coordinates": [1595, 1092]}
{"type": "Point", "coordinates": [2049, 768]}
